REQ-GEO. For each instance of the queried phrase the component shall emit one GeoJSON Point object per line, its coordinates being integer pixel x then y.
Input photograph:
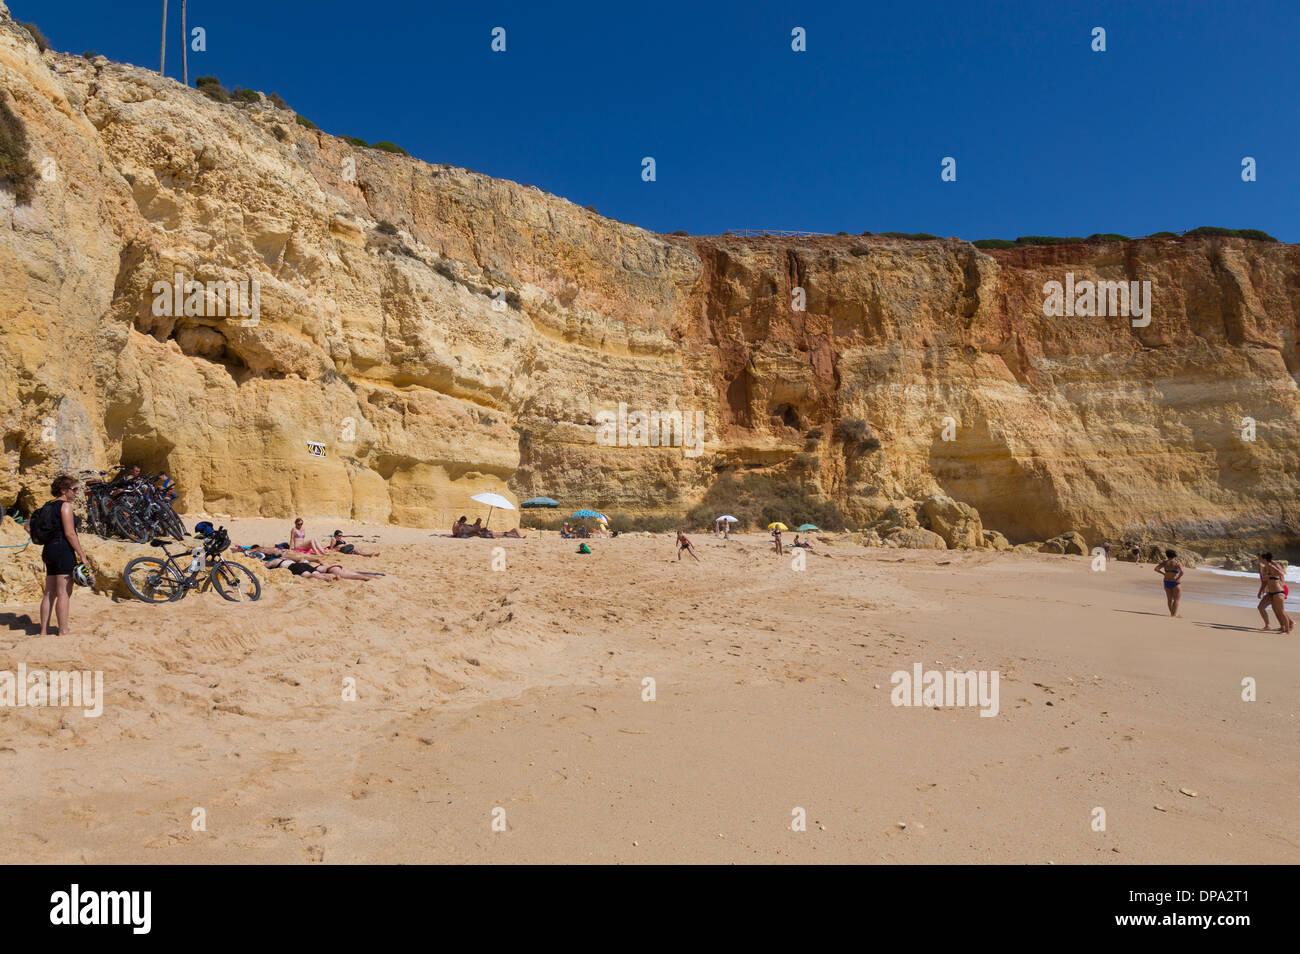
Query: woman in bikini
{"type": "Point", "coordinates": [299, 543]}
{"type": "Point", "coordinates": [1173, 573]}
{"type": "Point", "coordinates": [1272, 592]}
{"type": "Point", "coordinates": [316, 571]}
{"type": "Point", "coordinates": [336, 543]}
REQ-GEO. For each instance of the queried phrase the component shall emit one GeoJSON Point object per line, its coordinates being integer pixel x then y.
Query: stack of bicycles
{"type": "Point", "coordinates": [163, 581]}
{"type": "Point", "coordinates": [130, 507]}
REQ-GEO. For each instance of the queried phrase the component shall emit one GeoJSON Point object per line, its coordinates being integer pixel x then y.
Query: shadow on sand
{"type": "Point", "coordinates": [1241, 629]}
{"type": "Point", "coordinates": [24, 622]}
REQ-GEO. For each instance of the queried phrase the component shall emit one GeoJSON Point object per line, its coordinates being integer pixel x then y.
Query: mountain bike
{"type": "Point", "coordinates": [143, 501]}
{"type": "Point", "coordinates": [135, 510]}
{"type": "Point", "coordinates": [165, 581]}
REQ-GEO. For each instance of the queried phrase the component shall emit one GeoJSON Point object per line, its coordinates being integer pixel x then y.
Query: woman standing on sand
{"type": "Point", "coordinates": [61, 553]}
{"type": "Point", "coordinates": [1272, 592]}
{"type": "Point", "coordinates": [1173, 572]}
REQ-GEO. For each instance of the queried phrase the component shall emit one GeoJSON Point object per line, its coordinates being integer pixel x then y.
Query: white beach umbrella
{"type": "Point", "coordinates": [494, 501]}
{"type": "Point", "coordinates": [728, 518]}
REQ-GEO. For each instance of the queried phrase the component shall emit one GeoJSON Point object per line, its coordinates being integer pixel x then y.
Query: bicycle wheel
{"type": "Point", "coordinates": [235, 582]}
{"type": "Point", "coordinates": [95, 519]}
{"type": "Point", "coordinates": [153, 580]}
{"type": "Point", "coordinates": [172, 523]}
{"type": "Point", "coordinates": [129, 525]}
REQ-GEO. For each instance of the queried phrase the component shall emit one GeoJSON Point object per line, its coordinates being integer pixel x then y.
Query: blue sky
{"type": "Point", "coordinates": [1049, 136]}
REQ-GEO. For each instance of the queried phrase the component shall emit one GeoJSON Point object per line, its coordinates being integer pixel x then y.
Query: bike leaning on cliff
{"type": "Point", "coordinates": [154, 580]}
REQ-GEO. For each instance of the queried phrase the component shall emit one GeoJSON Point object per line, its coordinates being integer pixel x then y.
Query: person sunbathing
{"type": "Point", "coordinates": [460, 528]}
{"type": "Point", "coordinates": [315, 570]}
{"type": "Point", "coordinates": [565, 532]}
{"type": "Point", "coordinates": [299, 543]}
{"type": "Point", "coordinates": [803, 544]}
{"type": "Point", "coordinates": [478, 530]}
{"type": "Point", "coordinates": [516, 534]}
{"type": "Point", "coordinates": [259, 552]}
{"type": "Point", "coordinates": [336, 543]}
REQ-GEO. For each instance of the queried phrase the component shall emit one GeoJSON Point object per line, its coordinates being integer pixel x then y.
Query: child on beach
{"type": "Point", "coordinates": [684, 544]}
{"type": "Point", "coordinates": [1173, 573]}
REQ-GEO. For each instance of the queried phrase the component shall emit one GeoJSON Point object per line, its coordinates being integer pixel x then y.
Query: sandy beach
{"type": "Point", "coordinates": [521, 689]}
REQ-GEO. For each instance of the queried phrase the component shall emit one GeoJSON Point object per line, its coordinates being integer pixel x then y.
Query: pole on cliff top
{"type": "Point", "coordinates": [185, 48]}
{"type": "Point", "coordinates": [162, 53]}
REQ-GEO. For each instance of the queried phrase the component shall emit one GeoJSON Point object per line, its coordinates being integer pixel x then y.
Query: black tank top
{"type": "Point", "coordinates": [58, 537]}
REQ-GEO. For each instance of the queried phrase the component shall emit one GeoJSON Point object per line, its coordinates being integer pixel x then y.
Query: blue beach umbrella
{"type": "Point", "coordinates": [588, 513]}
{"type": "Point", "coordinates": [808, 526]}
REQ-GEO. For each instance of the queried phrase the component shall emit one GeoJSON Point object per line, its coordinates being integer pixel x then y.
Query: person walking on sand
{"type": "Point", "coordinates": [1273, 592]}
{"type": "Point", "coordinates": [1137, 553]}
{"type": "Point", "coordinates": [61, 553]}
{"type": "Point", "coordinates": [684, 544]}
{"type": "Point", "coordinates": [1106, 547]}
{"type": "Point", "coordinates": [1173, 573]}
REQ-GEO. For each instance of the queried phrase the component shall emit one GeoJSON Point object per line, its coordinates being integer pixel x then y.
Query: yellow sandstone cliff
{"type": "Point", "coordinates": [443, 333]}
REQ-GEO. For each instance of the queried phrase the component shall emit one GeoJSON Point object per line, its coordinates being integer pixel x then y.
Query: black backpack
{"type": "Point", "coordinates": [46, 522]}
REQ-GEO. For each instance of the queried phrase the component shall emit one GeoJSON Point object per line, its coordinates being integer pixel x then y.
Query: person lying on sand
{"type": "Point", "coordinates": [1173, 573]}
{"type": "Point", "coordinates": [478, 530]}
{"type": "Point", "coordinates": [684, 544]}
{"type": "Point", "coordinates": [1273, 592]}
{"type": "Point", "coordinates": [515, 534]}
{"type": "Point", "coordinates": [259, 552]}
{"type": "Point", "coordinates": [299, 543]}
{"type": "Point", "coordinates": [317, 571]}
{"type": "Point", "coordinates": [336, 543]}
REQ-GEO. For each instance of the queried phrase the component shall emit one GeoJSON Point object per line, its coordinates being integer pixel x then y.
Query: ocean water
{"type": "Point", "coordinates": [1292, 573]}
{"type": "Point", "coordinates": [1242, 595]}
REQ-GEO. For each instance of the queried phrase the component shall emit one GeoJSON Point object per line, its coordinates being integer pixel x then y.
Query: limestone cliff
{"type": "Point", "coordinates": [442, 333]}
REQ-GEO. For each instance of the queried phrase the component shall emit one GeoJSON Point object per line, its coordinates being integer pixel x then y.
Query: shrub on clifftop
{"type": "Point", "coordinates": [211, 87]}
{"type": "Point", "coordinates": [42, 44]}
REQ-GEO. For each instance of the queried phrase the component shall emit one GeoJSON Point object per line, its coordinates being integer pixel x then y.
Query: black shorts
{"type": "Point", "coordinates": [60, 560]}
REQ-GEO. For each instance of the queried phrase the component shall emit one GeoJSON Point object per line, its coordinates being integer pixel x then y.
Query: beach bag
{"type": "Point", "coordinates": [45, 522]}
{"type": "Point", "coordinates": [583, 548]}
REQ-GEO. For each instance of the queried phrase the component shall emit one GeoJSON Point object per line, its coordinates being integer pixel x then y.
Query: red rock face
{"type": "Point", "coordinates": [443, 333]}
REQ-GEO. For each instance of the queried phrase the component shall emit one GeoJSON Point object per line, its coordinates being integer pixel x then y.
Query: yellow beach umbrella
{"type": "Point", "coordinates": [777, 526]}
